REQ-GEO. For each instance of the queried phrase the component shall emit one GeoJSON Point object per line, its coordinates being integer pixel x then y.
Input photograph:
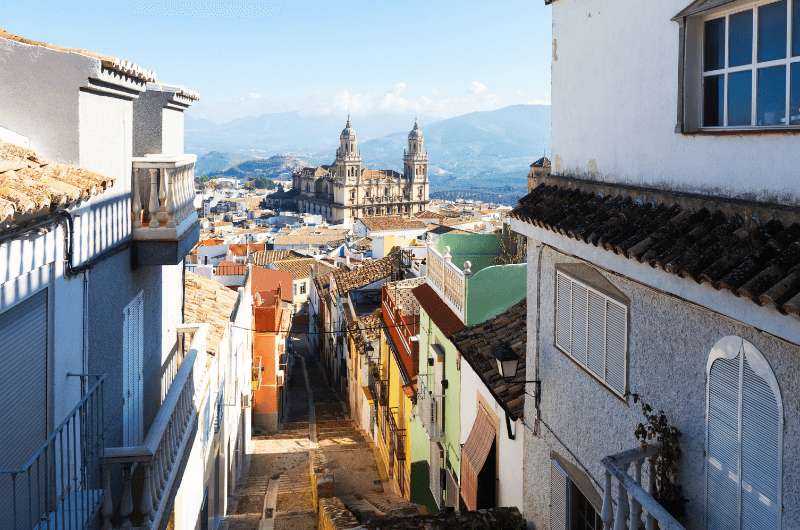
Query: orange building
{"type": "Point", "coordinates": [272, 319]}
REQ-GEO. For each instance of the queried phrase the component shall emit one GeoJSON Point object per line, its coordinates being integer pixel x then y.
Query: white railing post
{"type": "Point", "coordinates": [126, 502]}
{"type": "Point", "coordinates": [136, 200]}
{"type": "Point", "coordinates": [621, 517]}
{"type": "Point", "coordinates": [162, 196]}
{"type": "Point", "coordinates": [607, 513]}
{"type": "Point", "coordinates": [650, 521]}
{"type": "Point", "coordinates": [636, 507]}
{"type": "Point", "coordinates": [170, 175]}
{"type": "Point", "coordinates": [152, 207]}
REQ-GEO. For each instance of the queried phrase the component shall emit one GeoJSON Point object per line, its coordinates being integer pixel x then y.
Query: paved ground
{"type": "Point", "coordinates": [280, 461]}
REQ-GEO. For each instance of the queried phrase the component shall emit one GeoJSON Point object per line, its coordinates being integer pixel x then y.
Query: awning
{"type": "Point", "coordinates": [700, 6]}
{"type": "Point", "coordinates": [473, 456]}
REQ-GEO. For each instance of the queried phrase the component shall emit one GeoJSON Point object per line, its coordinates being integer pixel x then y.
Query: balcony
{"type": "Point", "coordinates": [449, 282]}
{"type": "Point", "coordinates": [139, 481]}
{"type": "Point", "coordinates": [636, 507]}
{"type": "Point", "coordinates": [165, 225]}
{"type": "Point", "coordinates": [429, 409]}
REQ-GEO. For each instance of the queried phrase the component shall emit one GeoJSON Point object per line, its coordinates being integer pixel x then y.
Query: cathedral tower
{"type": "Point", "coordinates": [348, 157]}
{"type": "Point", "coordinates": [415, 167]}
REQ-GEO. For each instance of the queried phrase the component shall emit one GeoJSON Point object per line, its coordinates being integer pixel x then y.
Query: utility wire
{"type": "Point", "coordinates": [314, 332]}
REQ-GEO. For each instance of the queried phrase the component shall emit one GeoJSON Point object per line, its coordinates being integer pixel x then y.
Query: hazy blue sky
{"type": "Point", "coordinates": [245, 57]}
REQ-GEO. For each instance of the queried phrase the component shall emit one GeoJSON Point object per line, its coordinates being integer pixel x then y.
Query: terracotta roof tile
{"type": "Point", "coordinates": [366, 328]}
{"type": "Point", "coordinates": [371, 271]}
{"type": "Point", "coordinates": [241, 249]}
{"type": "Point", "coordinates": [312, 237]}
{"type": "Point", "coordinates": [441, 314]}
{"type": "Point", "coordinates": [264, 257]}
{"type": "Point", "coordinates": [208, 301]}
{"type": "Point", "coordinates": [262, 279]}
{"type": "Point", "coordinates": [478, 344]}
{"type": "Point", "coordinates": [31, 187]}
{"type": "Point", "coordinates": [391, 222]}
{"type": "Point", "coordinates": [300, 268]}
{"type": "Point", "coordinates": [756, 259]}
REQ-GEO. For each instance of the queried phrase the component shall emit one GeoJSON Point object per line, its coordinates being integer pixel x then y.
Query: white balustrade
{"type": "Point", "coordinates": [448, 280]}
{"type": "Point", "coordinates": [634, 505]}
{"type": "Point", "coordinates": [157, 462]}
{"type": "Point", "coordinates": [162, 202]}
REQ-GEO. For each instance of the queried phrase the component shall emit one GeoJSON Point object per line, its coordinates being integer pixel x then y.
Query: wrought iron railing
{"type": "Point", "coordinates": [635, 506]}
{"type": "Point", "coordinates": [60, 485]}
{"type": "Point", "coordinates": [150, 471]}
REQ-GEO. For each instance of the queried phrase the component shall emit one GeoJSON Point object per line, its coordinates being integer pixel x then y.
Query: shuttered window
{"type": "Point", "coordinates": [592, 328]}
{"type": "Point", "coordinates": [559, 497]}
{"type": "Point", "coordinates": [744, 425]}
{"type": "Point", "coordinates": [132, 371]}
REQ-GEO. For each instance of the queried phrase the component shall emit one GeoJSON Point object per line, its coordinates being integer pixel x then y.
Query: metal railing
{"type": "Point", "coordinates": [256, 375]}
{"type": "Point", "coordinates": [635, 506]}
{"type": "Point", "coordinates": [429, 409]}
{"type": "Point", "coordinates": [150, 471]}
{"type": "Point", "coordinates": [60, 486]}
{"type": "Point", "coordinates": [162, 200]}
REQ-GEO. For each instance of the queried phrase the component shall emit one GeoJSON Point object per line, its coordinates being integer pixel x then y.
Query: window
{"type": "Point", "coordinates": [744, 438]}
{"type": "Point", "coordinates": [751, 66]}
{"type": "Point", "coordinates": [303, 288]}
{"type": "Point", "coordinates": [592, 329]}
{"type": "Point", "coordinates": [569, 507]}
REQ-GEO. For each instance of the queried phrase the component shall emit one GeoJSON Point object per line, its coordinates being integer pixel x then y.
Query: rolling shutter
{"type": "Point", "coordinates": [722, 467]}
{"type": "Point", "coordinates": [559, 497]}
{"type": "Point", "coordinates": [132, 375]}
{"type": "Point", "coordinates": [744, 442]}
{"type": "Point", "coordinates": [761, 452]}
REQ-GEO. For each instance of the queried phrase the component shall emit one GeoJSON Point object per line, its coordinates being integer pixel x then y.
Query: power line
{"type": "Point", "coordinates": [289, 331]}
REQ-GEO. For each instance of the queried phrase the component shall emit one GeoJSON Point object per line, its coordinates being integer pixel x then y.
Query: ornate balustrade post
{"type": "Point", "coordinates": [126, 502]}
{"type": "Point", "coordinates": [607, 512]}
{"type": "Point", "coordinates": [650, 521]}
{"type": "Point", "coordinates": [136, 200]}
{"type": "Point", "coordinates": [623, 507]}
{"type": "Point", "coordinates": [152, 208]}
{"type": "Point", "coordinates": [636, 507]}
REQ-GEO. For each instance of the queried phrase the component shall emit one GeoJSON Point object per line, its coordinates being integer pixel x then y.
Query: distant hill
{"type": "Point", "coordinates": [479, 149]}
{"type": "Point", "coordinates": [278, 167]}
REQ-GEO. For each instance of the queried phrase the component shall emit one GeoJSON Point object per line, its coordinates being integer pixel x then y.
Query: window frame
{"type": "Point", "coordinates": [608, 299]}
{"type": "Point", "coordinates": [754, 67]}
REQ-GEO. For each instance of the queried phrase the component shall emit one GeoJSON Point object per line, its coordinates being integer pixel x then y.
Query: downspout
{"type": "Point", "coordinates": [537, 398]}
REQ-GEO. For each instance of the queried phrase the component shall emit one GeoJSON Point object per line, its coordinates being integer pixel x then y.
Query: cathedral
{"type": "Point", "coordinates": [346, 190]}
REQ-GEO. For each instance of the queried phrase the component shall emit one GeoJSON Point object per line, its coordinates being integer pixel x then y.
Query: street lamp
{"type": "Point", "coordinates": [507, 361]}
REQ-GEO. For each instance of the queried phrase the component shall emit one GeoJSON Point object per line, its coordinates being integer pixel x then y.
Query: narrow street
{"type": "Point", "coordinates": [276, 492]}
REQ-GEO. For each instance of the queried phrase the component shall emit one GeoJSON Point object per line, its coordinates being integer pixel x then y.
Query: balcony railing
{"type": "Point", "coordinates": [429, 409]}
{"type": "Point", "coordinates": [163, 195]}
{"type": "Point", "coordinates": [635, 506]}
{"type": "Point", "coordinates": [60, 486]}
{"type": "Point", "coordinates": [149, 471]}
{"type": "Point", "coordinates": [448, 280]}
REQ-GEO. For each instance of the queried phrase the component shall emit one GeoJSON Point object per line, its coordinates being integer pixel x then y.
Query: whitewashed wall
{"type": "Point", "coordinates": [614, 97]}
{"type": "Point", "coordinates": [509, 452]}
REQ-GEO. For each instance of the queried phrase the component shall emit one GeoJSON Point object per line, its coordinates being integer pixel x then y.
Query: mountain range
{"type": "Point", "coordinates": [475, 150]}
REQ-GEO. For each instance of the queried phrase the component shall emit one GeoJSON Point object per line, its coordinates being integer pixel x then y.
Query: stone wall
{"type": "Point", "coordinates": [333, 515]}
{"type": "Point", "coordinates": [322, 485]}
{"type": "Point", "coordinates": [495, 519]}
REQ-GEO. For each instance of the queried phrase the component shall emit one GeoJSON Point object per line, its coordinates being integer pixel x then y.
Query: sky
{"type": "Point", "coordinates": [435, 58]}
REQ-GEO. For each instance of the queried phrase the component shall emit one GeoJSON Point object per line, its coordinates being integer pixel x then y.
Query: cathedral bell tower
{"type": "Point", "coordinates": [415, 167]}
{"type": "Point", "coordinates": [348, 158]}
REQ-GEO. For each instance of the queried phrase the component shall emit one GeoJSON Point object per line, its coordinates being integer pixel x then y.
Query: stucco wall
{"type": "Point", "coordinates": [615, 97]}
{"type": "Point", "coordinates": [493, 290]}
{"type": "Point", "coordinates": [509, 452]}
{"type": "Point", "coordinates": [669, 343]}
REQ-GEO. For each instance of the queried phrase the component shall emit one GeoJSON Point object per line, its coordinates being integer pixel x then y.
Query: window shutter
{"type": "Point", "coordinates": [133, 368]}
{"type": "Point", "coordinates": [616, 345]}
{"type": "Point", "coordinates": [559, 497]}
{"type": "Point", "coordinates": [579, 308]}
{"type": "Point", "coordinates": [761, 452]}
{"type": "Point", "coordinates": [596, 343]}
{"type": "Point", "coordinates": [722, 445]}
{"type": "Point", "coordinates": [434, 474]}
{"type": "Point", "coordinates": [563, 312]}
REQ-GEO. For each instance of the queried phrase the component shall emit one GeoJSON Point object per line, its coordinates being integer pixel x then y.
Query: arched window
{"type": "Point", "coordinates": [744, 438]}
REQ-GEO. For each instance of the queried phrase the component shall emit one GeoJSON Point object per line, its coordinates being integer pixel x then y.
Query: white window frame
{"type": "Point", "coordinates": [608, 300]}
{"type": "Point", "coordinates": [753, 67]}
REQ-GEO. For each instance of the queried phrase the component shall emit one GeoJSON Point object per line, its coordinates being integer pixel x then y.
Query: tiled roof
{"type": "Point", "coordinates": [264, 257]}
{"type": "Point", "coordinates": [730, 250]}
{"type": "Point", "coordinates": [300, 268]}
{"type": "Point", "coordinates": [262, 279]}
{"type": "Point", "coordinates": [240, 249]}
{"type": "Point", "coordinates": [371, 271]}
{"type": "Point", "coordinates": [311, 237]}
{"type": "Point", "coordinates": [366, 328]}
{"type": "Point", "coordinates": [542, 162]}
{"type": "Point", "coordinates": [478, 344]}
{"type": "Point", "coordinates": [112, 63]}
{"type": "Point", "coordinates": [208, 301]}
{"type": "Point", "coordinates": [31, 187]}
{"type": "Point", "coordinates": [391, 222]}
{"type": "Point", "coordinates": [438, 216]}
{"type": "Point", "coordinates": [441, 314]}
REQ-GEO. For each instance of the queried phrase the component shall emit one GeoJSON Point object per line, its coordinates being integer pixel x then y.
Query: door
{"type": "Point", "coordinates": [132, 371]}
{"type": "Point", "coordinates": [23, 399]}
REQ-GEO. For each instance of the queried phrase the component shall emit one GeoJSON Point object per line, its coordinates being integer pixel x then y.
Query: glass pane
{"type": "Point", "coordinates": [740, 39]}
{"type": "Point", "coordinates": [771, 106]}
{"type": "Point", "coordinates": [740, 98]}
{"type": "Point", "coordinates": [772, 31]}
{"type": "Point", "coordinates": [796, 28]}
{"type": "Point", "coordinates": [714, 52]}
{"type": "Point", "coordinates": [713, 100]}
{"type": "Point", "coordinates": [795, 95]}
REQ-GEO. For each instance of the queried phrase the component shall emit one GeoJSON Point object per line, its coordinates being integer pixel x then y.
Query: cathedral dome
{"type": "Point", "coordinates": [348, 131]}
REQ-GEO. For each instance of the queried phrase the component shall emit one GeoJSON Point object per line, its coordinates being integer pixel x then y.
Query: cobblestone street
{"type": "Point", "coordinates": [276, 492]}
